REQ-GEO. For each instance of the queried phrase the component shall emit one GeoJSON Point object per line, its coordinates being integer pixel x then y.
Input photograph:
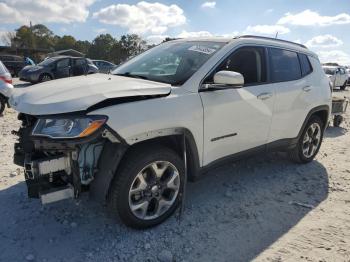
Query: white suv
{"type": "Point", "coordinates": [188, 105]}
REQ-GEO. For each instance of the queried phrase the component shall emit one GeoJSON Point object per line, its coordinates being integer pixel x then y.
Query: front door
{"type": "Point", "coordinates": [238, 119]}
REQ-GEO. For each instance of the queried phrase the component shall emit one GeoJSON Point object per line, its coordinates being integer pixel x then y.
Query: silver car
{"type": "Point", "coordinates": [5, 86]}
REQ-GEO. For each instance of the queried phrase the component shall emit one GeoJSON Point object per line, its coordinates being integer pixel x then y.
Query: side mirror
{"type": "Point", "coordinates": [229, 79]}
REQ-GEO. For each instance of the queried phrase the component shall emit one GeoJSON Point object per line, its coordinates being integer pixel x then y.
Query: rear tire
{"type": "Point", "coordinates": [337, 121]}
{"type": "Point", "coordinates": [3, 103]}
{"type": "Point", "coordinates": [343, 87]}
{"type": "Point", "coordinates": [147, 187]}
{"type": "Point", "coordinates": [309, 142]}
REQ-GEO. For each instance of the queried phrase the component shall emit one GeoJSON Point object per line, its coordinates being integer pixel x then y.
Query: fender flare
{"type": "Point", "coordinates": [113, 153]}
{"type": "Point", "coordinates": [311, 112]}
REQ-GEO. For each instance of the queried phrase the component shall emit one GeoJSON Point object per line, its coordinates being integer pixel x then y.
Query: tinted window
{"type": "Point", "coordinates": [79, 62]}
{"type": "Point", "coordinates": [305, 64]}
{"type": "Point", "coordinates": [63, 63]}
{"type": "Point", "coordinates": [250, 62]}
{"type": "Point", "coordinates": [284, 65]}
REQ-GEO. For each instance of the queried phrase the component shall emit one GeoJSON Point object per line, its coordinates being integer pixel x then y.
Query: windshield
{"type": "Point", "coordinates": [171, 63]}
{"type": "Point", "coordinates": [47, 61]}
{"type": "Point", "coordinates": [329, 71]}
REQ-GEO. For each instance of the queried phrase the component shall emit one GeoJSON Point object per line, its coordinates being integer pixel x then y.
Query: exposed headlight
{"type": "Point", "coordinates": [76, 127]}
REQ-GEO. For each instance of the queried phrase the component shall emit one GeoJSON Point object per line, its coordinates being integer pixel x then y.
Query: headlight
{"type": "Point", "coordinates": [68, 127]}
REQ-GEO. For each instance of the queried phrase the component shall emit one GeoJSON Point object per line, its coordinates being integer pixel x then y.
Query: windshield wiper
{"type": "Point", "coordinates": [128, 74]}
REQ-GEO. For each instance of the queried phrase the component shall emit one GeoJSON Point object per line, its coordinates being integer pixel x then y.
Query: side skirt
{"type": "Point", "coordinates": [279, 145]}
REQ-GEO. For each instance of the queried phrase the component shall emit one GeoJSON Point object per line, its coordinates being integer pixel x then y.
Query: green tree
{"type": "Point", "coordinates": [133, 44]}
{"type": "Point", "coordinates": [24, 38]}
{"type": "Point", "coordinates": [82, 46]}
{"type": "Point", "coordinates": [65, 42]}
{"type": "Point", "coordinates": [44, 37]}
{"type": "Point", "coordinates": [101, 47]}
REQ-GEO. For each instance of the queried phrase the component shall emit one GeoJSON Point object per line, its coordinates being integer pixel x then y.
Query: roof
{"type": "Point", "coordinates": [68, 52]}
{"type": "Point", "coordinates": [256, 39]}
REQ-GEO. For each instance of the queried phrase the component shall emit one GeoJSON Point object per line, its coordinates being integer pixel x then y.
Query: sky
{"type": "Point", "coordinates": [322, 25]}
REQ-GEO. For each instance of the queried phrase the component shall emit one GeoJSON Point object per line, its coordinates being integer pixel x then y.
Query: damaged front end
{"type": "Point", "coordinates": [61, 155]}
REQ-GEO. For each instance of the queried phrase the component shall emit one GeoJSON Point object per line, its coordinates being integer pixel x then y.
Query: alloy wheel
{"type": "Point", "coordinates": [154, 190]}
{"type": "Point", "coordinates": [45, 78]}
{"type": "Point", "coordinates": [311, 140]}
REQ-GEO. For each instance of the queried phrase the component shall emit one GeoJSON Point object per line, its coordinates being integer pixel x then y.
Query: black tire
{"type": "Point", "coordinates": [296, 154]}
{"type": "Point", "coordinates": [3, 103]}
{"type": "Point", "coordinates": [337, 121]}
{"type": "Point", "coordinates": [343, 87]}
{"type": "Point", "coordinates": [133, 163]}
{"type": "Point", "coordinates": [44, 76]}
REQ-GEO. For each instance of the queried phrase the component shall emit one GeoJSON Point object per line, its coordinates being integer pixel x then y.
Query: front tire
{"type": "Point", "coordinates": [309, 142]}
{"type": "Point", "coordinates": [3, 103]}
{"type": "Point", "coordinates": [44, 78]}
{"type": "Point", "coordinates": [147, 187]}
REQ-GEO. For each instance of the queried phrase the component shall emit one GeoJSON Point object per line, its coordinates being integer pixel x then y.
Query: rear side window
{"type": "Point", "coordinates": [305, 64]}
{"type": "Point", "coordinates": [284, 65]}
{"type": "Point", "coordinates": [79, 62]}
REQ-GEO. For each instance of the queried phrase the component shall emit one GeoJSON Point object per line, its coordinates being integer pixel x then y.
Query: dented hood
{"type": "Point", "coordinates": [79, 93]}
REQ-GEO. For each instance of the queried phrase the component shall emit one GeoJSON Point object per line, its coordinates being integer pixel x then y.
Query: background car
{"type": "Point", "coordinates": [57, 67]}
{"type": "Point", "coordinates": [337, 76]}
{"type": "Point", "coordinates": [104, 66]}
{"type": "Point", "coordinates": [5, 86]}
{"type": "Point", "coordinates": [14, 63]}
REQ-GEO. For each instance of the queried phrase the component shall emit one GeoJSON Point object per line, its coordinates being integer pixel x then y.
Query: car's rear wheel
{"type": "Point", "coordinates": [147, 188]}
{"type": "Point", "coordinates": [343, 87]}
{"type": "Point", "coordinates": [45, 78]}
{"type": "Point", "coordinates": [309, 142]}
{"type": "Point", "coordinates": [2, 104]}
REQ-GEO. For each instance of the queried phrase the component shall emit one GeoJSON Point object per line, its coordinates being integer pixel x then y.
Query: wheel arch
{"type": "Point", "coordinates": [320, 111]}
{"type": "Point", "coordinates": [173, 139]}
{"type": "Point", "coordinates": [100, 187]}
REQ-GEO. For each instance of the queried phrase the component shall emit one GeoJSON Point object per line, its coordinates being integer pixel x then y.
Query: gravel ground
{"type": "Point", "coordinates": [264, 208]}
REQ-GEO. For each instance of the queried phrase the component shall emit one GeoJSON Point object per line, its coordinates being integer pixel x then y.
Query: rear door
{"type": "Point", "coordinates": [79, 66]}
{"type": "Point", "coordinates": [293, 91]}
{"type": "Point", "coordinates": [63, 68]}
{"type": "Point", "coordinates": [239, 119]}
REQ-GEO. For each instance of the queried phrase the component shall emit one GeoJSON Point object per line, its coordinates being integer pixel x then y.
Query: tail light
{"type": "Point", "coordinates": [6, 79]}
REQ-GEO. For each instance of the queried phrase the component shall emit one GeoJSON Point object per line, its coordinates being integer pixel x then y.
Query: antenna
{"type": "Point", "coordinates": [276, 35]}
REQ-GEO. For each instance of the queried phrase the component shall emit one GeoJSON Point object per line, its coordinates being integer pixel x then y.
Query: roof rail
{"type": "Point", "coordinates": [270, 38]}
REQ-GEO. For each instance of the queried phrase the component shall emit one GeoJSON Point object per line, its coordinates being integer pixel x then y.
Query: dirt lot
{"type": "Point", "coordinates": [264, 209]}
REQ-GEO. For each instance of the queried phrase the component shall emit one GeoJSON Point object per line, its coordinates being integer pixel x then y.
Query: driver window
{"type": "Point", "coordinates": [250, 62]}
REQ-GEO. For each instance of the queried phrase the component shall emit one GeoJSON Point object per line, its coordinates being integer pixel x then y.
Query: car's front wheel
{"type": "Point", "coordinates": [2, 104]}
{"type": "Point", "coordinates": [45, 78]}
{"type": "Point", "coordinates": [147, 188]}
{"type": "Point", "coordinates": [309, 142]}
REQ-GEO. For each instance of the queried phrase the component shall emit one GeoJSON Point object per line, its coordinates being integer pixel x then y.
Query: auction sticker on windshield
{"type": "Point", "coordinates": [202, 49]}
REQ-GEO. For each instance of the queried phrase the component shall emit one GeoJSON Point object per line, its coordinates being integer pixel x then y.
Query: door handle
{"type": "Point", "coordinates": [307, 88]}
{"type": "Point", "coordinates": [264, 96]}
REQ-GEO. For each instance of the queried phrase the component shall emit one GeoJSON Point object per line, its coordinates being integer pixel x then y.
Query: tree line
{"type": "Point", "coordinates": [104, 46]}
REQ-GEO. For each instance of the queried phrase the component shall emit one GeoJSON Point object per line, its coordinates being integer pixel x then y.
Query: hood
{"type": "Point", "coordinates": [81, 92]}
{"type": "Point", "coordinates": [31, 68]}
